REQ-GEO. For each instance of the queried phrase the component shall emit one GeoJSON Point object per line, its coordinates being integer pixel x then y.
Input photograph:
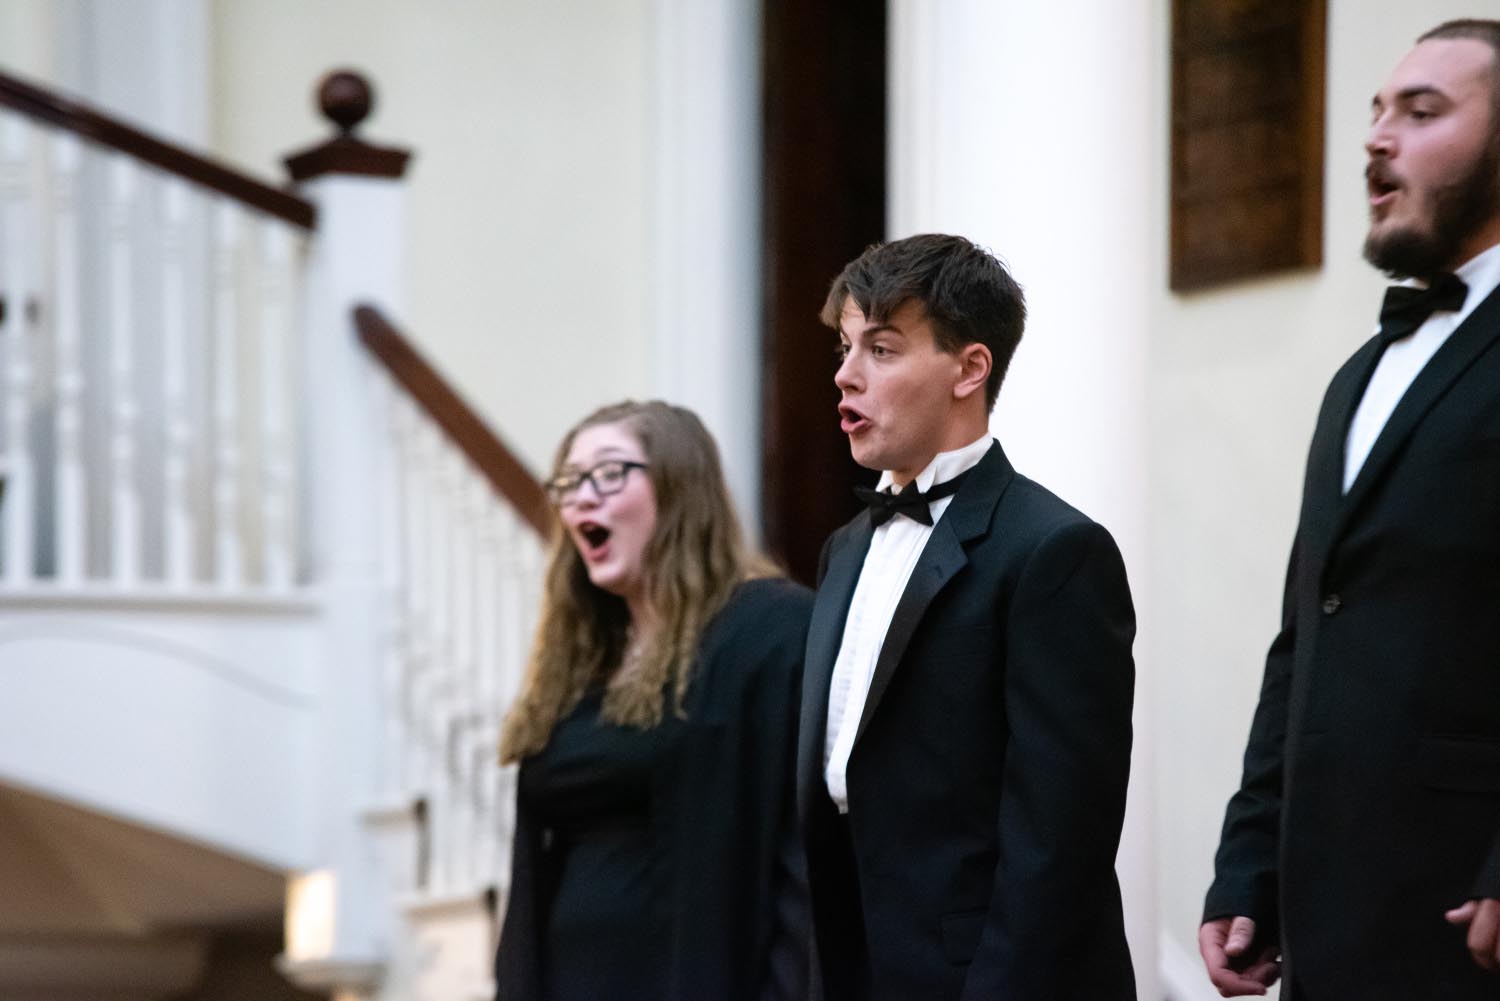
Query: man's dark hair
{"type": "Point", "coordinates": [966, 294]}
{"type": "Point", "coordinates": [1478, 29]}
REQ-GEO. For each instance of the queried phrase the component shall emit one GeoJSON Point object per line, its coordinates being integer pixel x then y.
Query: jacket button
{"type": "Point", "coordinates": [1332, 604]}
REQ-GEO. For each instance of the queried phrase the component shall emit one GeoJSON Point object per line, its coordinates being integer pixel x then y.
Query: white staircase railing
{"type": "Point", "coordinates": [463, 527]}
{"type": "Point", "coordinates": [190, 429]}
{"type": "Point", "coordinates": [148, 436]}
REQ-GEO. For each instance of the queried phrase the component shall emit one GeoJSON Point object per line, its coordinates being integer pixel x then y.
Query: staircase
{"type": "Point", "coordinates": [266, 582]}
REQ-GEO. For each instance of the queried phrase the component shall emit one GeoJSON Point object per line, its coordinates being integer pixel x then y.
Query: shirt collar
{"type": "Point", "coordinates": [1482, 274]}
{"type": "Point", "coordinates": [946, 465]}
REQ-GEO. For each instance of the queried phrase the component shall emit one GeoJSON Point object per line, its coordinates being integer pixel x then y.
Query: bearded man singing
{"type": "Point", "coordinates": [1361, 855]}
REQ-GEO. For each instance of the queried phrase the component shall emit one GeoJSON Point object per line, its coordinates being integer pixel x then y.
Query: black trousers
{"type": "Point", "coordinates": [844, 957]}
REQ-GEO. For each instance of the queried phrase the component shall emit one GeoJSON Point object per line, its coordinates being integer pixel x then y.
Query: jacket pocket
{"type": "Point", "coordinates": [1459, 764]}
{"type": "Point", "coordinates": [961, 933]}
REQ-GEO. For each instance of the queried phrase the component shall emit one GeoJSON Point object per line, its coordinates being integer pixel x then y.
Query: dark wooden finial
{"type": "Point", "coordinates": [346, 99]}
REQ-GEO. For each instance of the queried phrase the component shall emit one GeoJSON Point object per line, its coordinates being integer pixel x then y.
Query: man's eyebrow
{"type": "Point", "coordinates": [875, 328]}
{"type": "Point", "coordinates": [1409, 93]}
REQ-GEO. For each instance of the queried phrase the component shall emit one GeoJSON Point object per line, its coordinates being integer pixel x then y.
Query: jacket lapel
{"type": "Point", "coordinates": [1323, 492]}
{"type": "Point", "coordinates": [967, 518]}
{"type": "Point", "coordinates": [1457, 353]}
{"type": "Point", "coordinates": [824, 634]}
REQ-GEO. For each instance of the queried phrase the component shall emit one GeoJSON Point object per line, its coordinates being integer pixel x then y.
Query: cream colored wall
{"type": "Point", "coordinates": [28, 30]}
{"type": "Point", "coordinates": [528, 193]}
{"type": "Point", "coordinates": [1237, 374]}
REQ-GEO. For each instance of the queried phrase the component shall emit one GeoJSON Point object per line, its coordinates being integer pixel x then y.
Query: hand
{"type": "Point", "coordinates": [1483, 919]}
{"type": "Point", "coordinates": [1225, 945]}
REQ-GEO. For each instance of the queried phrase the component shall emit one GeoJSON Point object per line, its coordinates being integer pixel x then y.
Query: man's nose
{"type": "Point", "coordinates": [1380, 141]}
{"type": "Point", "coordinates": [847, 377]}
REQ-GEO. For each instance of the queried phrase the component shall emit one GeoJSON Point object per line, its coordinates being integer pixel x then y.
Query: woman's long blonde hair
{"type": "Point", "coordinates": [694, 560]}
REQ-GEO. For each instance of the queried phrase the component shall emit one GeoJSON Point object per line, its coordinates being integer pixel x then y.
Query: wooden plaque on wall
{"type": "Point", "coordinates": [1247, 138]}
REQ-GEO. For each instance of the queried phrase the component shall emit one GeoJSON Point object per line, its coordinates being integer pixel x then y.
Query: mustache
{"type": "Point", "coordinates": [1380, 172]}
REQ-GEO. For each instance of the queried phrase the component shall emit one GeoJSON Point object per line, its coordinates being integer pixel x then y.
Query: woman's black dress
{"type": "Point", "coordinates": [591, 787]}
{"type": "Point", "coordinates": [662, 864]}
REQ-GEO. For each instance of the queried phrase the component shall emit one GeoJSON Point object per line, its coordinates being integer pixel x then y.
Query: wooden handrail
{"type": "Point", "coordinates": [465, 428]}
{"type": "Point", "coordinates": [80, 119]}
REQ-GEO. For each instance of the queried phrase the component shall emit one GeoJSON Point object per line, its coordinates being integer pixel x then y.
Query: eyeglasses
{"type": "Point", "coordinates": [608, 477]}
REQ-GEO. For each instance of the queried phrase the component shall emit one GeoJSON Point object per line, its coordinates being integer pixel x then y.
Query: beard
{"type": "Point", "coordinates": [1460, 209]}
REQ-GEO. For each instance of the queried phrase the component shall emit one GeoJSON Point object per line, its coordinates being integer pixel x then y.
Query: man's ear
{"type": "Point", "coordinates": [975, 363]}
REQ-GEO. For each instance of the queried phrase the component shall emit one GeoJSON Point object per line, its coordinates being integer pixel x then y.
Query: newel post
{"type": "Point", "coordinates": [338, 913]}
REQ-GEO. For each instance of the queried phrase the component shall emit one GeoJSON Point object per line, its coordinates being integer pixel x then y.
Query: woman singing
{"type": "Point", "coordinates": [654, 855]}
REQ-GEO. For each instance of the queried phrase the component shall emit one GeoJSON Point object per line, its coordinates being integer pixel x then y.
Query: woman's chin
{"type": "Point", "coordinates": [608, 579]}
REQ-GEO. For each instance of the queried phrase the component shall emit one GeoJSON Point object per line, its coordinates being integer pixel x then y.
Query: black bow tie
{"type": "Point", "coordinates": [910, 501]}
{"type": "Point", "coordinates": [1405, 309]}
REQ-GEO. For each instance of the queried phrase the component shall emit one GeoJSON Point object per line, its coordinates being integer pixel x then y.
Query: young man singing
{"type": "Point", "coordinates": [965, 735]}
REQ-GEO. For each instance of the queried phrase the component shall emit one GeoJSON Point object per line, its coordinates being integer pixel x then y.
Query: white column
{"type": "Point", "coordinates": [705, 251]}
{"type": "Point", "coordinates": [355, 256]}
{"type": "Point", "coordinates": [1028, 128]}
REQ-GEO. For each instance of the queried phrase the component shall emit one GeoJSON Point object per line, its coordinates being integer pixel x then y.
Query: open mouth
{"type": "Point", "coordinates": [594, 536]}
{"type": "Point", "coordinates": [851, 421]}
{"type": "Point", "coordinates": [1380, 183]}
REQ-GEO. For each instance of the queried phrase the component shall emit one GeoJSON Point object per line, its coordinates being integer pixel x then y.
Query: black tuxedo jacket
{"type": "Point", "coordinates": [1370, 799]}
{"type": "Point", "coordinates": [987, 780]}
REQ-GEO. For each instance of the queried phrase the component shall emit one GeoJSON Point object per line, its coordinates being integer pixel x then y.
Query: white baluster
{"type": "Point", "coordinates": [418, 623]}
{"type": "Point", "coordinates": [228, 535]}
{"type": "Point", "coordinates": [389, 499]}
{"type": "Point", "coordinates": [426, 677]}
{"type": "Point", "coordinates": [519, 576]}
{"type": "Point", "coordinates": [442, 516]}
{"type": "Point", "coordinates": [487, 669]}
{"type": "Point", "coordinates": [72, 515]}
{"type": "Point", "coordinates": [18, 245]}
{"type": "Point", "coordinates": [125, 497]}
{"type": "Point", "coordinates": [179, 525]}
{"type": "Point", "coordinates": [401, 728]}
{"type": "Point", "coordinates": [276, 445]}
{"type": "Point", "coordinates": [523, 602]}
{"type": "Point", "coordinates": [466, 664]}
{"type": "Point", "coordinates": [516, 540]}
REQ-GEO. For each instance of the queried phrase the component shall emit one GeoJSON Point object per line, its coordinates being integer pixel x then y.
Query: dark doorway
{"type": "Point", "coordinates": [824, 103]}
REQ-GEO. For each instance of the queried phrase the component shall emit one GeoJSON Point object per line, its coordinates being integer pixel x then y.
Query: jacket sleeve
{"type": "Point", "coordinates": [1487, 885]}
{"type": "Point", "coordinates": [738, 885]}
{"type": "Point", "coordinates": [1245, 867]}
{"type": "Point", "coordinates": [787, 971]}
{"type": "Point", "coordinates": [518, 968]}
{"type": "Point", "coordinates": [1069, 689]}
